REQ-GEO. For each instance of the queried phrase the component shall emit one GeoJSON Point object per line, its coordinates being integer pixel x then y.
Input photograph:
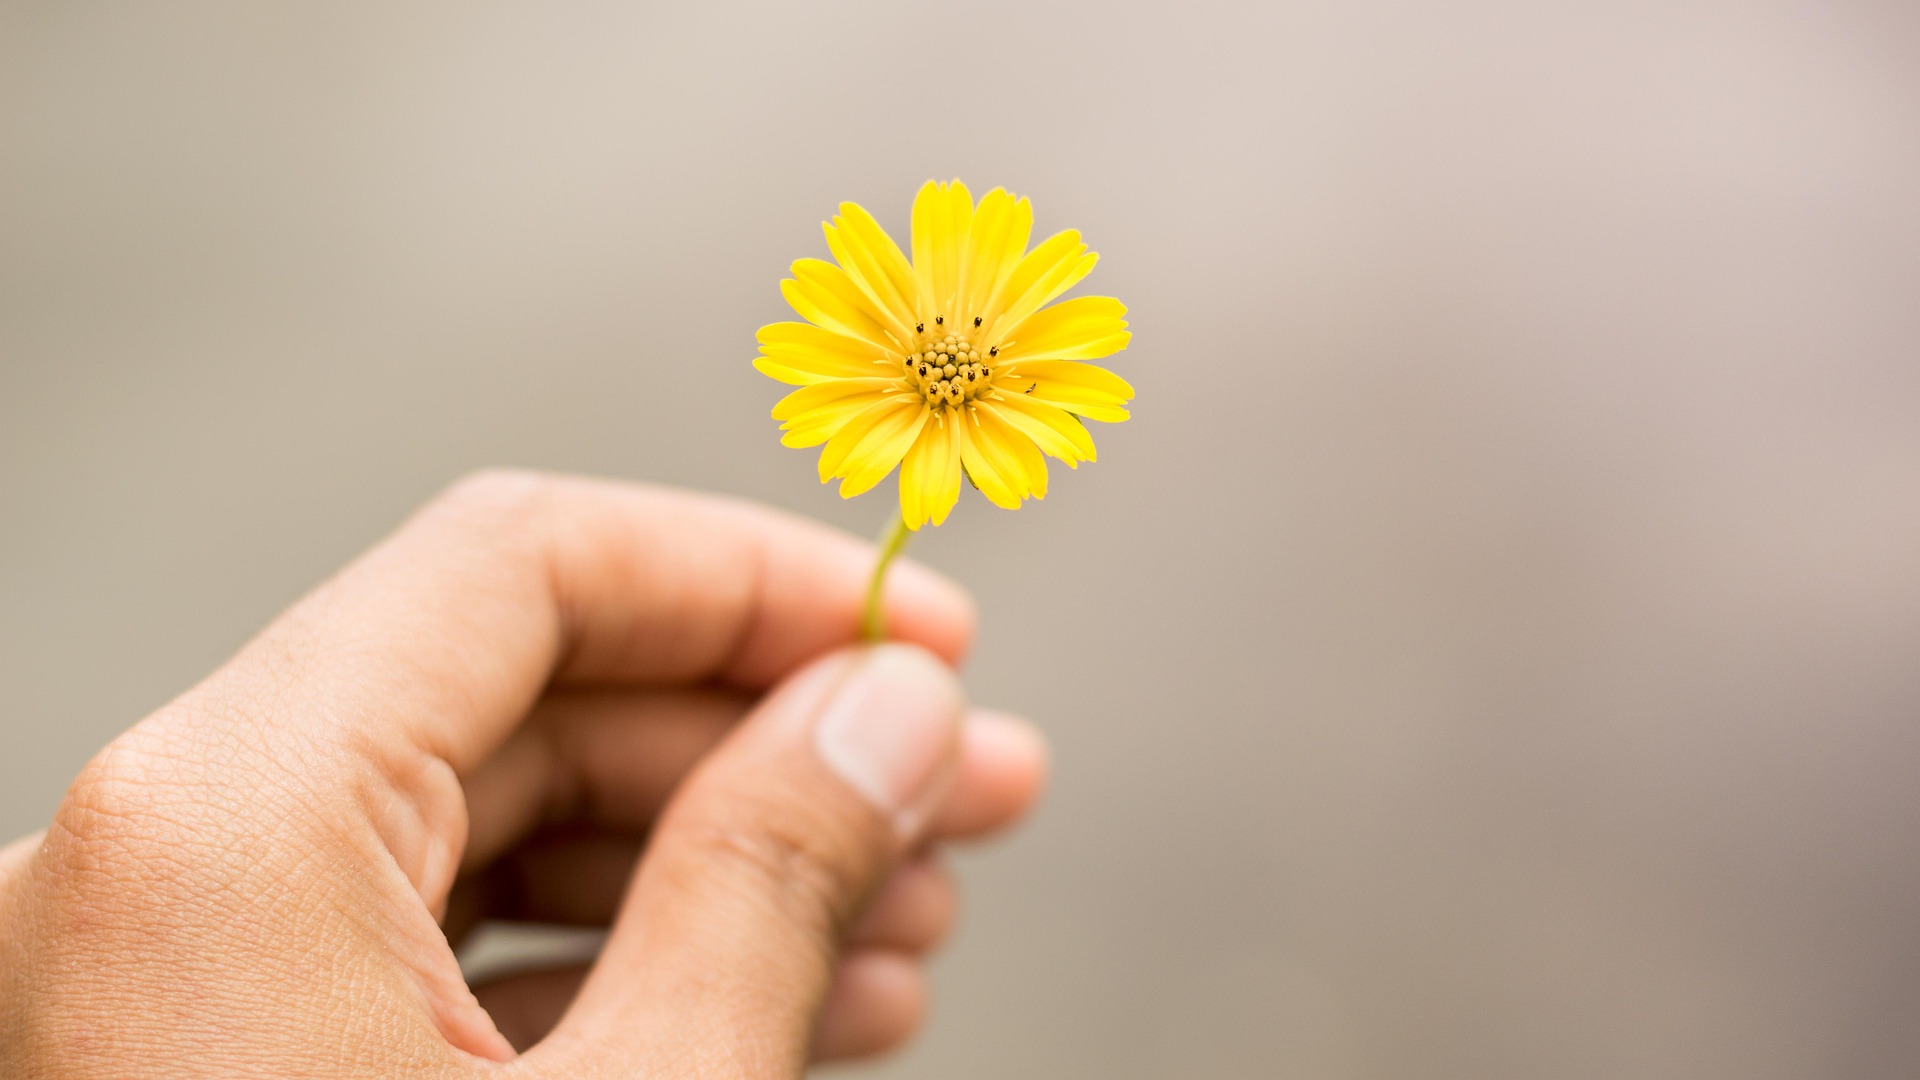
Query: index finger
{"type": "Point", "coordinates": [446, 633]}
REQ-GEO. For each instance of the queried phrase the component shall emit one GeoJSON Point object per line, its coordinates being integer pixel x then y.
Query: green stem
{"type": "Point", "coordinates": [873, 619]}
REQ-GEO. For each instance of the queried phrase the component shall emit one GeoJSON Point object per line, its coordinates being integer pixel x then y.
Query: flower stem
{"type": "Point", "coordinates": [873, 619]}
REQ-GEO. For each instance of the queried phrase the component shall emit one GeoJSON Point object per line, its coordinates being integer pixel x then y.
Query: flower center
{"type": "Point", "coordinates": [948, 368]}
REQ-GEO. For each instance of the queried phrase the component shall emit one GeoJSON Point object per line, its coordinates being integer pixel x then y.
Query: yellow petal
{"type": "Point", "coordinates": [1054, 431]}
{"type": "Point", "coordinates": [807, 335]}
{"type": "Point", "coordinates": [817, 429]}
{"type": "Point", "coordinates": [823, 295]}
{"type": "Point", "coordinates": [942, 217]}
{"type": "Point", "coordinates": [1012, 451]}
{"type": "Point", "coordinates": [1087, 389]}
{"type": "Point", "coordinates": [987, 463]}
{"type": "Point", "coordinates": [801, 353]}
{"type": "Point", "coordinates": [827, 365]}
{"type": "Point", "coordinates": [817, 425]}
{"type": "Point", "coordinates": [790, 376]}
{"type": "Point", "coordinates": [808, 398]}
{"type": "Point", "coordinates": [1059, 278]}
{"type": "Point", "coordinates": [1032, 266]}
{"type": "Point", "coordinates": [1018, 448]}
{"type": "Point", "coordinates": [1001, 225]}
{"type": "Point", "coordinates": [813, 368]}
{"type": "Point", "coordinates": [881, 450]}
{"type": "Point", "coordinates": [834, 457]}
{"type": "Point", "coordinates": [1084, 328]}
{"type": "Point", "coordinates": [876, 264]}
{"type": "Point", "coordinates": [930, 475]}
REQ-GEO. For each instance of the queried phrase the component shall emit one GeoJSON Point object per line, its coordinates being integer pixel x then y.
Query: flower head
{"type": "Point", "coordinates": [951, 363]}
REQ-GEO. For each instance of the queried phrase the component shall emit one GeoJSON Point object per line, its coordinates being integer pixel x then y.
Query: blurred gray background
{"type": "Point", "coordinates": [1492, 650]}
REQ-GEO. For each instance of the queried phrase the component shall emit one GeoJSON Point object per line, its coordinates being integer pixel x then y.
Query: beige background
{"type": "Point", "coordinates": [1492, 651]}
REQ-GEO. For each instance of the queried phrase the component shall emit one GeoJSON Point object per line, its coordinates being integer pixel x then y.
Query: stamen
{"type": "Point", "coordinates": [944, 368]}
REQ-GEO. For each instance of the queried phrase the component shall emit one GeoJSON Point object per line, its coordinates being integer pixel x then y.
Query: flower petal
{"type": "Point", "coordinates": [815, 337]}
{"type": "Point", "coordinates": [1084, 328]}
{"type": "Point", "coordinates": [1011, 451]}
{"type": "Point", "coordinates": [790, 376]}
{"type": "Point", "coordinates": [1001, 226]}
{"type": "Point", "coordinates": [1001, 489]}
{"type": "Point", "coordinates": [876, 264]}
{"type": "Point", "coordinates": [1055, 266]}
{"type": "Point", "coordinates": [881, 450]}
{"type": "Point", "coordinates": [804, 370]}
{"type": "Point", "coordinates": [930, 475]}
{"type": "Point", "coordinates": [808, 398]}
{"type": "Point", "coordinates": [1057, 433]}
{"type": "Point", "coordinates": [1087, 389]}
{"type": "Point", "coordinates": [835, 457]}
{"type": "Point", "coordinates": [942, 217]}
{"type": "Point", "coordinates": [820, 426]}
{"type": "Point", "coordinates": [823, 416]}
{"type": "Point", "coordinates": [824, 295]}
{"type": "Point", "coordinates": [801, 354]}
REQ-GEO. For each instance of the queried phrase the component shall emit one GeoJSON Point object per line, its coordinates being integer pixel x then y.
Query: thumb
{"type": "Point", "coordinates": [726, 946]}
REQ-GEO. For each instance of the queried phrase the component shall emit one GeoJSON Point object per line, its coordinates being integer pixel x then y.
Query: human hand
{"type": "Point", "coordinates": [483, 717]}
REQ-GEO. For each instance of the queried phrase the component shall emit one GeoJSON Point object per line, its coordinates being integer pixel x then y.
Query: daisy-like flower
{"type": "Point", "coordinates": [949, 364]}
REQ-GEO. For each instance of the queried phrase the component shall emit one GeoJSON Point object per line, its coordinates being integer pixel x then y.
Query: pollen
{"type": "Point", "coordinates": [946, 368]}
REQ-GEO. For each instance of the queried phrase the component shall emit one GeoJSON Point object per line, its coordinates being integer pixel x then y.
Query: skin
{"type": "Point", "coordinates": [542, 698]}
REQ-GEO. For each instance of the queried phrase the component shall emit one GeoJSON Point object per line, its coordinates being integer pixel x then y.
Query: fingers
{"type": "Point", "coordinates": [913, 912]}
{"type": "Point", "coordinates": [578, 877]}
{"type": "Point", "coordinates": [762, 863]}
{"type": "Point", "coordinates": [877, 1002]}
{"type": "Point", "coordinates": [441, 638]}
{"type": "Point", "coordinates": [612, 757]}
{"type": "Point", "coordinates": [601, 755]}
{"type": "Point", "coordinates": [1003, 770]}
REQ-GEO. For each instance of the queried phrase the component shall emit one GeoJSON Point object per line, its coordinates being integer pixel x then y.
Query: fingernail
{"type": "Point", "coordinates": [892, 730]}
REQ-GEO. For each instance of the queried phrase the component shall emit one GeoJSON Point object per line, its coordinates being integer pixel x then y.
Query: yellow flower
{"type": "Point", "coordinates": [950, 363]}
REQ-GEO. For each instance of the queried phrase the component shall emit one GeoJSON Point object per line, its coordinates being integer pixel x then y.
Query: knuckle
{"type": "Point", "coordinates": [156, 793]}
{"type": "Point", "coordinates": [120, 813]}
{"type": "Point", "coordinates": [124, 783]}
{"type": "Point", "coordinates": [497, 510]}
{"type": "Point", "coordinates": [496, 492]}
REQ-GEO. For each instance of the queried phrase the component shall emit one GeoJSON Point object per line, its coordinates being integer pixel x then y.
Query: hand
{"type": "Point", "coordinates": [483, 717]}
